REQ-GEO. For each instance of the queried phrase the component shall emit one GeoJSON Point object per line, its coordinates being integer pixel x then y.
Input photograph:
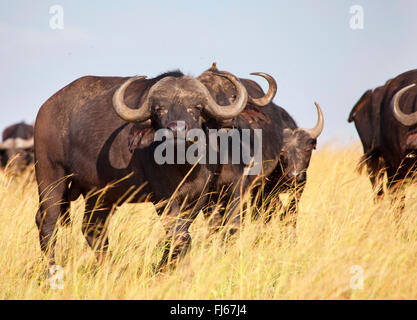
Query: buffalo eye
{"type": "Point", "coordinates": [197, 107]}
{"type": "Point", "coordinates": [160, 110]}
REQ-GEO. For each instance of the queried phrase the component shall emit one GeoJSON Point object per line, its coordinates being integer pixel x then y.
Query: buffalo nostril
{"type": "Point", "coordinates": [172, 126]}
{"type": "Point", "coordinates": [177, 126]}
{"type": "Point", "coordinates": [301, 177]}
{"type": "Point", "coordinates": [292, 174]}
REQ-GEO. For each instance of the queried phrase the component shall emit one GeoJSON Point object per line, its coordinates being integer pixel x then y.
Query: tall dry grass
{"type": "Point", "coordinates": [339, 226]}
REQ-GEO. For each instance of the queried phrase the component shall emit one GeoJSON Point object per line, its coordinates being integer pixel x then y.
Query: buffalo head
{"type": "Point", "coordinates": [225, 91]}
{"type": "Point", "coordinates": [298, 145]}
{"type": "Point", "coordinates": [179, 104]}
{"type": "Point", "coordinates": [18, 150]}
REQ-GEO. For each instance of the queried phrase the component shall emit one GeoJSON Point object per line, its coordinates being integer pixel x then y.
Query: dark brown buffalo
{"type": "Point", "coordinates": [387, 132]}
{"type": "Point", "coordinates": [17, 145]}
{"type": "Point", "coordinates": [86, 139]}
{"type": "Point", "coordinates": [286, 148]}
{"type": "Point", "coordinates": [366, 115]}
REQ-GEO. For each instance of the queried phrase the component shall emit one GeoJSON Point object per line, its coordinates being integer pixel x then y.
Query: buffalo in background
{"type": "Point", "coordinates": [286, 150]}
{"type": "Point", "coordinates": [17, 146]}
{"type": "Point", "coordinates": [388, 131]}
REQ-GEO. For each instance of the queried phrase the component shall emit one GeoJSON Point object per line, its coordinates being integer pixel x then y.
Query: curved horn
{"type": "Point", "coordinates": [8, 144]}
{"type": "Point", "coordinates": [316, 131]}
{"type": "Point", "coordinates": [272, 91]}
{"type": "Point", "coordinates": [24, 143]}
{"type": "Point", "coordinates": [405, 119]}
{"type": "Point", "coordinates": [227, 112]}
{"type": "Point", "coordinates": [123, 111]}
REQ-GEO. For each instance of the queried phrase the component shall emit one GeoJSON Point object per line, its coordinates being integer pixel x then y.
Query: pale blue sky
{"type": "Point", "coordinates": [307, 45]}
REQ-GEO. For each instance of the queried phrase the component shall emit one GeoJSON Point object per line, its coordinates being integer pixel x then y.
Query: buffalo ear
{"type": "Point", "coordinates": [363, 101]}
{"type": "Point", "coordinates": [412, 141]}
{"type": "Point", "coordinates": [141, 136]}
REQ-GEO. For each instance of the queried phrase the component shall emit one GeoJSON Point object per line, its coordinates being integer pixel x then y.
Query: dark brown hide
{"type": "Point", "coordinates": [82, 146]}
{"type": "Point", "coordinates": [386, 142]}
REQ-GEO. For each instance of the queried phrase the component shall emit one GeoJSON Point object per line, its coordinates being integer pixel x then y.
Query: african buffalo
{"type": "Point", "coordinates": [366, 116]}
{"type": "Point", "coordinates": [17, 145]}
{"type": "Point", "coordinates": [87, 139]}
{"type": "Point", "coordinates": [286, 149]}
{"type": "Point", "coordinates": [388, 131]}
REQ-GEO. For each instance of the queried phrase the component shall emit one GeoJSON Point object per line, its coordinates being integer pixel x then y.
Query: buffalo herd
{"type": "Point", "coordinates": [98, 138]}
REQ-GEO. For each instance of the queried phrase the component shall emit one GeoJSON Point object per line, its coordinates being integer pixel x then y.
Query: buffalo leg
{"type": "Point", "coordinates": [65, 214]}
{"type": "Point", "coordinates": [233, 215]}
{"type": "Point", "coordinates": [234, 212]}
{"type": "Point", "coordinates": [53, 203]}
{"type": "Point", "coordinates": [395, 187]}
{"type": "Point", "coordinates": [178, 238]}
{"type": "Point", "coordinates": [257, 202]}
{"type": "Point", "coordinates": [377, 181]}
{"type": "Point", "coordinates": [290, 212]}
{"type": "Point", "coordinates": [215, 216]}
{"type": "Point", "coordinates": [215, 212]}
{"type": "Point", "coordinates": [292, 208]}
{"type": "Point", "coordinates": [94, 227]}
{"type": "Point", "coordinates": [271, 204]}
{"type": "Point", "coordinates": [275, 205]}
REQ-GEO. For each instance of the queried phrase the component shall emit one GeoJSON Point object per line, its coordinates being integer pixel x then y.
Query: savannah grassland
{"type": "Point", "coordinates": [339, 226]}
